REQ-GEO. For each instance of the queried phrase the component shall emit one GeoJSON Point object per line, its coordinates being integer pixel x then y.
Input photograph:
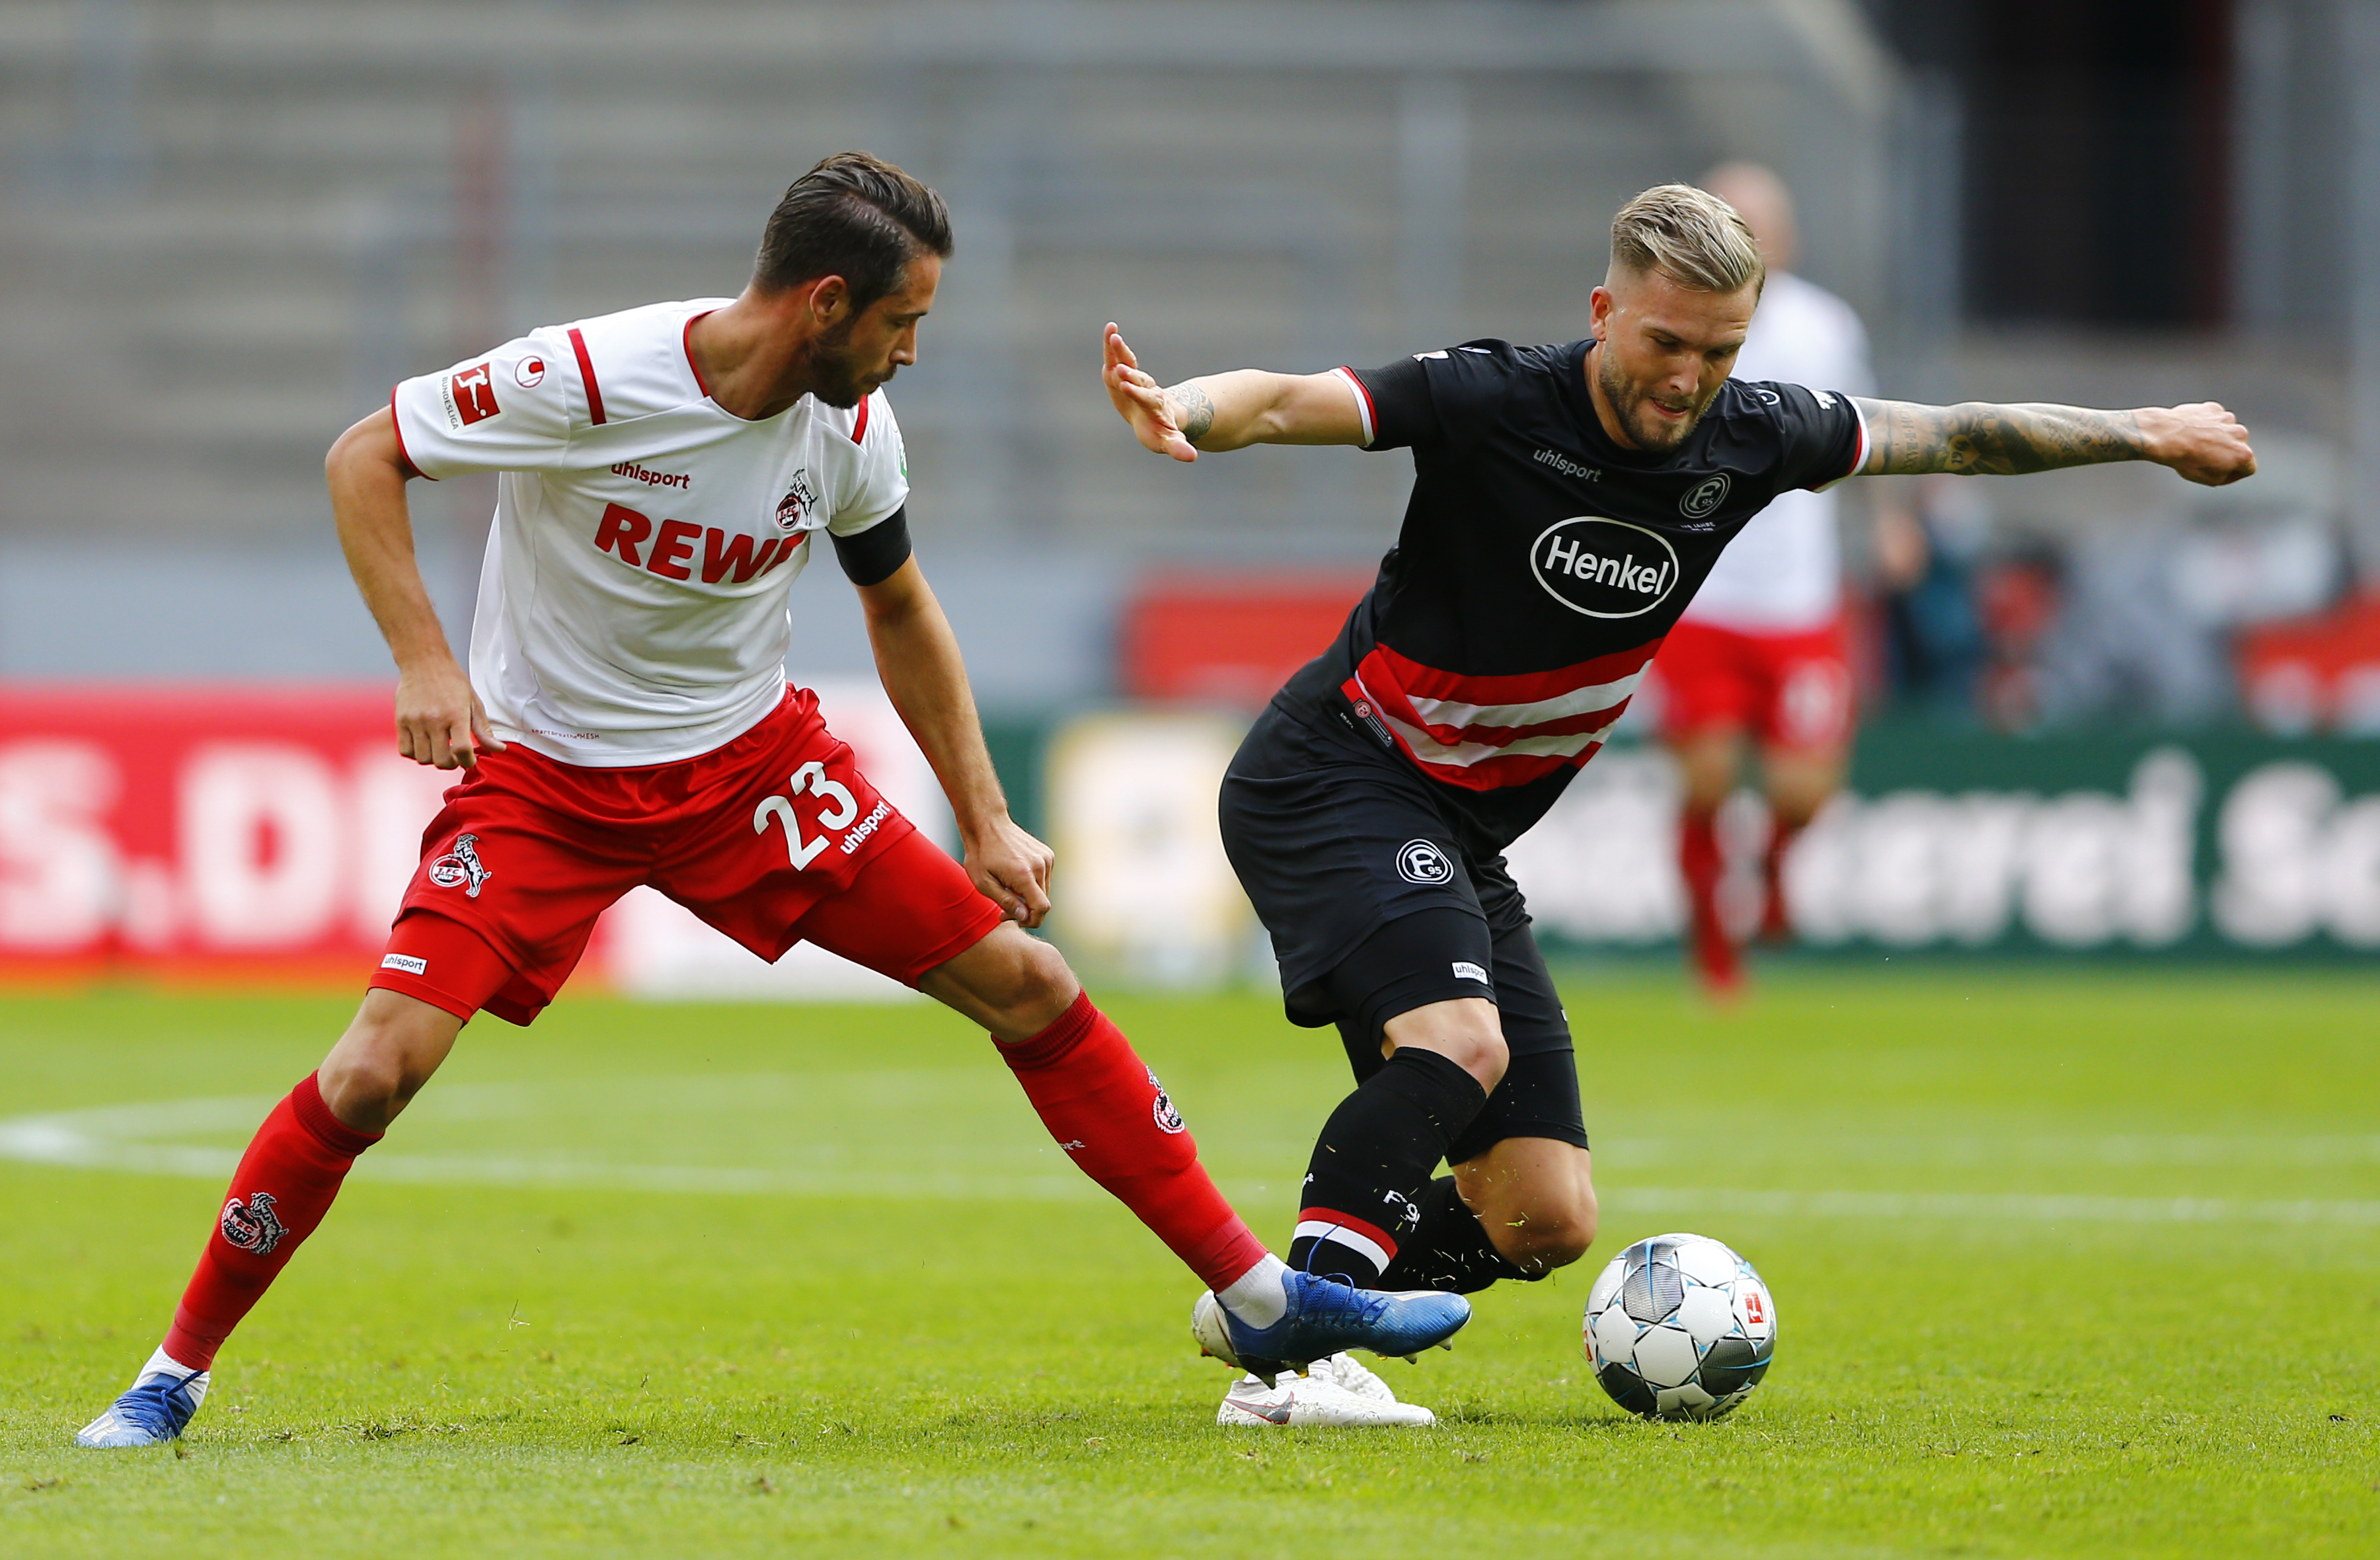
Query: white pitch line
{"type": "Point", "coordinates": [1998, 1207]}
{"type": "Point", "coordinates": [112, 1137]}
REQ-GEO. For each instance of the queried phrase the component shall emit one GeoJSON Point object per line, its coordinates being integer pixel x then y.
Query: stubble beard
{"type": "Point", "coordinates": [1628, 402]}
{"type": "Point", "coordinates": [837, 377]}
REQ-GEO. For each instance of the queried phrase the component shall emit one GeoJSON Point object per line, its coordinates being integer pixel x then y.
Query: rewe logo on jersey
{"type": "Point", "coordinates": [1604, 568]}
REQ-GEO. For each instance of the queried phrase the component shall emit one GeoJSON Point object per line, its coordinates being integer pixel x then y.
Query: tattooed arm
{"type": "Point", "coordinates": [1230, 410]}
{"type": "Point", "coordinates": [2203, 442]}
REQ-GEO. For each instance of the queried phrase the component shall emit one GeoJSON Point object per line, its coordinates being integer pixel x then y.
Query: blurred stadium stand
{"type": "Point", "coordinates": [227, 225]}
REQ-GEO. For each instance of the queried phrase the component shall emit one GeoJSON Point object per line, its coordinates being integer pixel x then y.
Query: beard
{"type": "Point", "coordinates": [837, 377]}
{"type": "Point", "coordinates": [1651, 432]}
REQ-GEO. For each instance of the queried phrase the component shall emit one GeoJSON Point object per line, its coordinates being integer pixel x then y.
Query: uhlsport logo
{"type": "Point", "coordinates": [252, 1225]}
{"type": "Point", "coordinates": [1168, 1118]}
{"type": "Point", "coordinates": [1604, 568]}
{"type": "Point", "coordinates": [461, 865]}
{"type": "Point", "coordinates": [1704, 497]}
{"type": "Point", "coordinates": [1420, 862]}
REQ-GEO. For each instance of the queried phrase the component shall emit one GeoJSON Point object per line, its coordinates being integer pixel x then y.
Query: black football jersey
{"type": "Point", "coordinates": [1540, 564]}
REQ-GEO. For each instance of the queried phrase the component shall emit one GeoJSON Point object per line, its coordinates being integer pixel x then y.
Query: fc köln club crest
{"type": "Point", "coordinates": [461, 865]}
{"type": "Point", "coordinates": [798, 501]}
{"type": "Point", "coordinates": [252, 1225]}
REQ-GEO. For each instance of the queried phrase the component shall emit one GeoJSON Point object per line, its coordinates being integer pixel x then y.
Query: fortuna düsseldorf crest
{"type": "Point", "coordinates": [253, 1226]}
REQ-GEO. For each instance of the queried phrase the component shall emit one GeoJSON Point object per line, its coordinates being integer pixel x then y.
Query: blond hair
{"type": "Point", "coordinates": [1690, 236]}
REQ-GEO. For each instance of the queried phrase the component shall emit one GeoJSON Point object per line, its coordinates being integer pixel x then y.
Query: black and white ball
{"type": "Point", "coordinates": [1679, 1327]}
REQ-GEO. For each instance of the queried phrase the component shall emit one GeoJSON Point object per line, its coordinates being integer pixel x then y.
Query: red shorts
{"type": "Point", "coordinates": [1792, 691]}
{"type": "Point", "coordinates": [774, 839]}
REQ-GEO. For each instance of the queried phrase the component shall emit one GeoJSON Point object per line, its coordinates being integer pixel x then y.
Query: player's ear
{"type": "Point", "coordinates": [830, 298]}
{"type": "Point", "coordinates": [1599, 312]}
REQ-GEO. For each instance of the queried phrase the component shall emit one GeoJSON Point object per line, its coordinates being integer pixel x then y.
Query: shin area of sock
{"type": "Point", "coordinates": [1448, 1248]}
{"type": "Point", "coordinates": [1374, 1159]}
{"type": "Point", "coordinates": [1107, 1110]}
{"type": "Point", "coordinates": [285, 1184]}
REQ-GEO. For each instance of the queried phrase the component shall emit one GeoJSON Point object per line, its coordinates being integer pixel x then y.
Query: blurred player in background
{"type": "Point", "coordinates": [1568, 502]}
{"type": "Point", "coordinates": [664, 474]}
{"type": "Point", "coordinates": [1760, 654]}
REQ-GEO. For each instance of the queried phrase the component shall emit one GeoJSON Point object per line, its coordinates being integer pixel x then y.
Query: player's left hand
{"type": "Point", "coordinates": [1141, 401]}
{"type": "Point", "coordinates": [1012, 869]}
{"type": "Point", "coordinates": [2202, 441]}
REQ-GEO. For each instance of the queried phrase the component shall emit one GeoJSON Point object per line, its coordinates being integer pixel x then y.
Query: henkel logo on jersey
{"type": "Point", "coordinates": [469, 396]}
{"type": "Point", "coordinates": [1603, 568]}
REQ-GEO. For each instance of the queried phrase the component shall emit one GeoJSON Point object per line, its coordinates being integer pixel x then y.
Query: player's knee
{"type": "Point", "coordinates": [381, 1062]}
{"type": "Point", "coordinates": [1484, 1055]}
{"type": "Point", "coordinates": [1029, 987]}
{"type": "Point", "coordinates": [1551, 1233]}
{"type": "Point", "coordinates": [1043, 983]}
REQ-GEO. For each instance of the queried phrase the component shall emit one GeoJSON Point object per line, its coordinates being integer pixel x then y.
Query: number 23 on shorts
{"type": "Point", "coordinates": [842, 809]}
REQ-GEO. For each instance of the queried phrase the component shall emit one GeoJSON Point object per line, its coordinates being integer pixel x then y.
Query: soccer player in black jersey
{"type": "Point", "coordinates": [1567, 501]}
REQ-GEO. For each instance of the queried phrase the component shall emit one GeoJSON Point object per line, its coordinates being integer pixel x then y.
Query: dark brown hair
{"type": "Point", "coordinates": [854, 216]}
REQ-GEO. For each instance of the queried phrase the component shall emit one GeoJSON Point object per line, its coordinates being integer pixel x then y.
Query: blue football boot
{"type": "Point", "coordinates": [153, 1411]}
{"type": "Point", "coordinates": [1327, 1317]}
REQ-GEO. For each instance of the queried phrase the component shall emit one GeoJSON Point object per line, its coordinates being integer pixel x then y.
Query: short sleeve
{"type": "Point", "coordinates": [1824, 437]}
{"type": "Point", "coordinates": [876, 484]}
{"type": "Point", "coordinates": [512, 409]}
{"type": "Point", "coordinates": [1445, 398]}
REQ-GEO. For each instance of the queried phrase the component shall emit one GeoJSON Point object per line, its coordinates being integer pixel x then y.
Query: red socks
{"type": "Point", "coordinates": [280, 1192]}
{"type": "Point", "coordinates": [1701, 863]}
{"type": "Point", "coordinates": [1775, 919]}
{"type": "Point", "coordinates": [1098, 1099]}
{"type": "Point", "coordinates": [1107, 1110]}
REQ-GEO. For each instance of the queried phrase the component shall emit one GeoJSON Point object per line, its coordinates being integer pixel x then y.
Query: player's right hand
{"type": "Point", "coordinates": [439, 720]}
{"type": "Point", "coordinates": [2203, 442]}
{"type": "Point", "coordinates": [1141, 400]}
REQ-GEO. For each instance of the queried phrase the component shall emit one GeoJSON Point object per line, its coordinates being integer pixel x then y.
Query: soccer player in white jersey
{"type": "Point", "coordinates": [1760, 654]}
{"type": "Point", "coordinates": [664, 474]}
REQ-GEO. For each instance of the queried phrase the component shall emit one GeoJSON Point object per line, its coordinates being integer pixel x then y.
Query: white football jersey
{"type": "Point", "coordinates": [1783, 572]}
{"type": "Point", "coordinates": [633, 601]}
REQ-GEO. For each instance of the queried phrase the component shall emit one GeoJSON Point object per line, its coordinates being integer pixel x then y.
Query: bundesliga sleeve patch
{"type": "Point", "coordinates": [469, 397]}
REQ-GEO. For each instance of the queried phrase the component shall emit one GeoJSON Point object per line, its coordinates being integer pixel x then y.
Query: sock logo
{"type": "Point", "coordinates": [1420, 862]}
{"type": "Point", "coordinates": [253, 1226]}
{"type": "Point", "coordinates": [1168, 1118]}
{"type": "Point", "coordinates": [1403, 1211]}
{"type": "Point", "coordinates": [461, 865]}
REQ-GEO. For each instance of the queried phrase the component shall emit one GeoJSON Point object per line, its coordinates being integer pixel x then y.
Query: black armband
{"type": "Point", "coordinates": [872, 556]}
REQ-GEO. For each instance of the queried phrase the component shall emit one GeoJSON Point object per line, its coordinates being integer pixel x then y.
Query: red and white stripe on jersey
{"type": "Point", "coordinates": [1371, 1240]}
{"type": "Point", "coordinates": [1364, 408]}
{"type": "Point", "coordinates": [1490, 732]}
{"type": "Point", "coordinates": [1859, 447]}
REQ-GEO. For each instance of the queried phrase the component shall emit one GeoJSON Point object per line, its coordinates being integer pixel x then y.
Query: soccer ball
{"type": "Point", "coordinates": [1679, 1327]}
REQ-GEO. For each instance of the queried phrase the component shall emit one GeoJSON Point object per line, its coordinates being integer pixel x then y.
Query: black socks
{"type": "Point", "coordinates": [1370, 1174]}
{"type": "Point", "coordinates": [1449, 1249]}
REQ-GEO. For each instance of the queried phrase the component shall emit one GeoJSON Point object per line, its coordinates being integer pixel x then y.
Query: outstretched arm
{"type": "Point", "coordinates": [2203, 442]}
{"type": "Point", "coordinates": [1230, 410]}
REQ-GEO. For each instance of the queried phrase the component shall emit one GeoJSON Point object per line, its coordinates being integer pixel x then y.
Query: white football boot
{"type": "Point", "coordinates": [1333, 1391]}
{"type": "Point", "coordinates": [154, 1410]}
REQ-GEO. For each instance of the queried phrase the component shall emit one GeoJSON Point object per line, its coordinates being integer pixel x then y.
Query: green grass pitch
{"type": "Point", "coordinates": [2067, 1264]}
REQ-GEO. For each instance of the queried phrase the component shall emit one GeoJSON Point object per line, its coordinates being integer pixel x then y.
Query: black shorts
{"type": "Point", "coordinates": [1378, 905]}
